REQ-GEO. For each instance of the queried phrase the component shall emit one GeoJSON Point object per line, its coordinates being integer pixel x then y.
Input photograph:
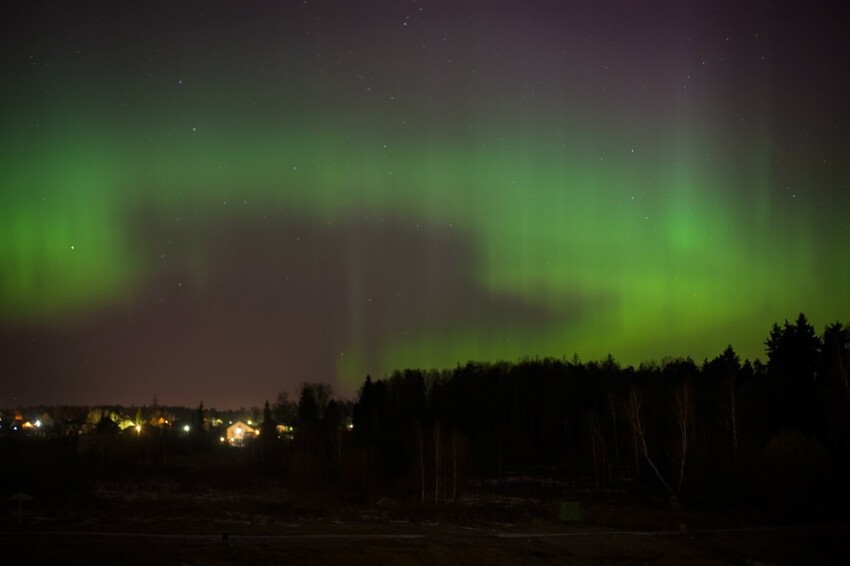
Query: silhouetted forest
{"type": "Point", "coordinates": [724, 433]}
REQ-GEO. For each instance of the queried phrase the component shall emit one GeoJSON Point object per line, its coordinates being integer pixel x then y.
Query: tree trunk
{"type": "Point", "coordinates": [683, 428]}
{"type": "Point", "coordinates": [614, 429]}
{"type": "Point", "coordinates": [734, 415]}
{"type": "Point", "coordinates": [454, 468]}
{"type": "Point", "coordinates": [437, 462]}
{"type": "Point", "coordinates": [422, 460]}
{"type": "Point", "coordinates": [843, 370]}
{"type": "Point", "coordinates": [640, 439]}
{"type": "Point", "coordinates": [683, 416]}
{"type": "Point", "coordinates": [593, 451]}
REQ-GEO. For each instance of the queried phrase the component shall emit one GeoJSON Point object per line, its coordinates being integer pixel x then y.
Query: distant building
{"type": "Point", "coordinates": [212, 423]}
{"type": "Point", "coordinates": [46, 420]}
{"type": "Point", "coordinates": [238, 433]}
{"type": "Point", "coordinates": [286, 432]}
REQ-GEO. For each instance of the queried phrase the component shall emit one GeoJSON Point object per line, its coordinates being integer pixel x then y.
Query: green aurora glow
{"type": "Point", "coordinates": [643, 236]}
{"type": "Point", "coordinates": [661, 239]}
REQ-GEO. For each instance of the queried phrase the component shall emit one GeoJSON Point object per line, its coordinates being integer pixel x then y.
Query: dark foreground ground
{"type": "Point", "coordinates": [166, 522]}
{"type": "Point", "coordinates": [433, 544]}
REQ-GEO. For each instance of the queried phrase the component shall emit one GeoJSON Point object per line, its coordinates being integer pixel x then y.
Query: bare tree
{"type": "Point", "coordinates": [454, 466]}
{"type": "Point", "coordinates": [729, 366]}
{"type": "Point", "coordinates": [733, 409]}
{"type": "Point", "coordinates": [634, 403]}
{"type": "Point", "coordinates": [684, 414]}
{"type": "Point", "coordinates": [437, 439]}
{"type": "Point", "coordinates": [601, 459]}
{"type": "Point", "coordinates": [612, 406]}
{"type": "Point", "coordinates": [422, 459]}
{"type": "Point", "coordinates": [836, 350]}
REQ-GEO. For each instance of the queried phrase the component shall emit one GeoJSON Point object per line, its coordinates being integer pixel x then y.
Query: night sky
{"type": "Point", "coordinates": [220, 200]}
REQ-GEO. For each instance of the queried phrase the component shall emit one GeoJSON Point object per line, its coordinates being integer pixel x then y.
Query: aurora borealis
{"type": "Point", "coordinates": [221, 202]}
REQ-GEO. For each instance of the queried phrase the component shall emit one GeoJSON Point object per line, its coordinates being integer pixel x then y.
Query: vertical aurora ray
{"type": "Point", "coordinates": [64, 243]}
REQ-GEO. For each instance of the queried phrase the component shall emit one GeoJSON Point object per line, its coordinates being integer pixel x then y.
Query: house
{"type": "Point", "coordinates": [212, 423]}
{"type": "Point", "coordinates": [125, 424]}
{"type": "Point", "coordinates": [46, 420]}
{"type": "Point", "coordinates": [286, 432]}
{"type": "Point", "coordinates": [239, 433]}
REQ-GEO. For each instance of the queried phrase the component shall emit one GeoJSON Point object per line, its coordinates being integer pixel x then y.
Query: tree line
{"type": "Point", "coordinates": [725, 431]}
{"type": "Point", "coordinates": [721, 432]}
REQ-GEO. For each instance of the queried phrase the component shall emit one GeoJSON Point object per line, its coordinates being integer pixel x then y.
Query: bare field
{"type": "Point", "coordinates": [436, 544]}
{"type": "Point", "coordinates": [164, 523]}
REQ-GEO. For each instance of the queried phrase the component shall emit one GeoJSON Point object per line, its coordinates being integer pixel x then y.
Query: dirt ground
{"type": "Point", "coordinates": [428, 543]}
{"type": "Point", "coordinates": [164, 522]}
{"type": "Point", "coordinates": [113, 534]}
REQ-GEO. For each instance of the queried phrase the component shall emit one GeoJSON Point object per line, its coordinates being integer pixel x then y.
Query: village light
{"type": "Point", "coordinates": [138, 428]}
{"type": "Point", "coordinates": [185, 428]}
{"type": "Point", "coordinates": [221, 439]}
{"type": "Point", "coordinates": [37, 424]}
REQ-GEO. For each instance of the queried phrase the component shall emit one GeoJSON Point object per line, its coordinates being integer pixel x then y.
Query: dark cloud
{"type": "Point", "coordinates": [250, 300]}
